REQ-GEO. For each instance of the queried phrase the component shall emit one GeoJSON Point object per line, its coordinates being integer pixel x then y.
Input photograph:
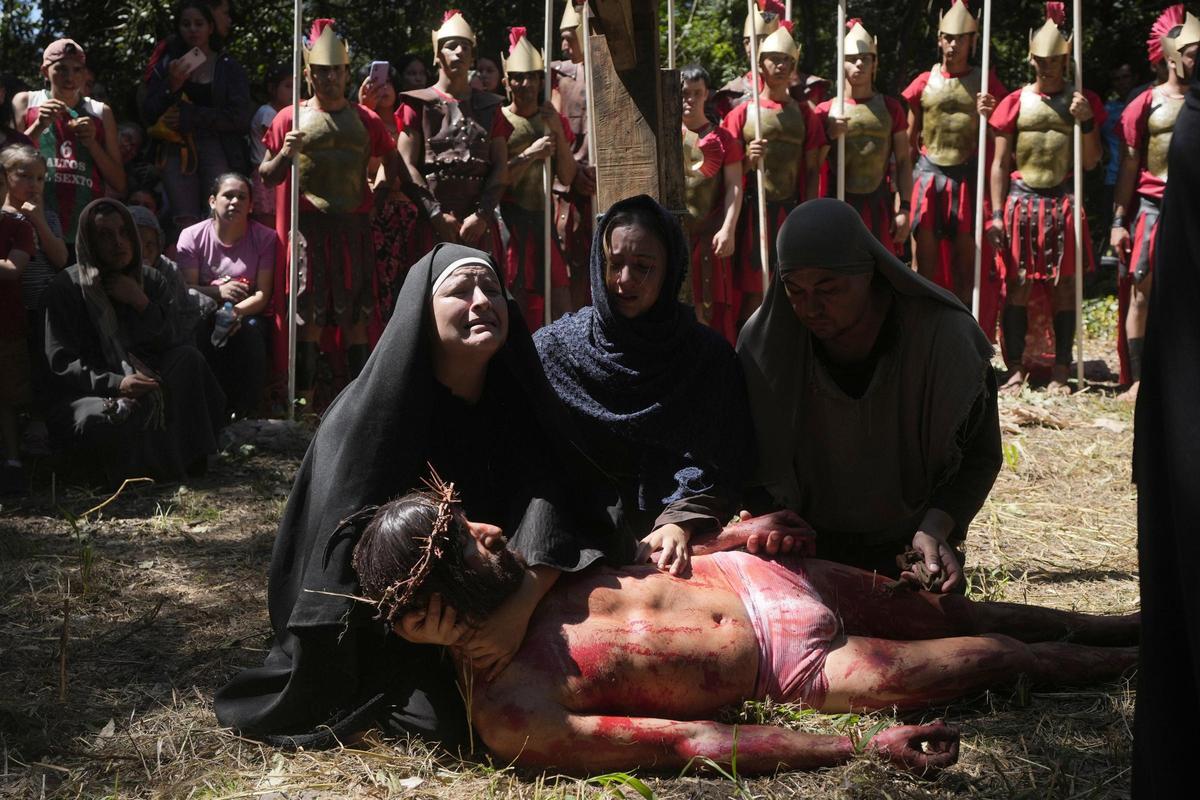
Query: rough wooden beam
{"type": "Point", "coordinates": [616, 20]}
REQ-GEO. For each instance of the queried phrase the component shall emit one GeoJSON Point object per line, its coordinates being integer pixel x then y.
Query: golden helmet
{"type": "Point", "coordinates": [957, 20]}
{"type": "Point", "coordinates": [1173, 46]}
{"type": "Point", "coordinates": [522, 56]}
{"type": "Point", "coordinates": [325, 48]}
{"type": "Point", "coordinates": [454, 26]}
{"type": "Point", "coordinates": [761, 23]}
{"type": "Point", "coordinates": [1048, 41]}
{"type": "Point", "coordinates": [858, 41]}
{"type": "Point", "coordinates": [571, 18]}
{"type": "Point", "coordinates": [780, 41]}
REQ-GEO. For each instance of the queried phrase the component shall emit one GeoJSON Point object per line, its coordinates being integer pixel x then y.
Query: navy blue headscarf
{"type": "Point", "coordinates": [662, 386]}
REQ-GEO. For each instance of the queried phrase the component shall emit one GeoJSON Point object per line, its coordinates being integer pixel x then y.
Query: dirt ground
{"type": "Point", "coordinates": [116, 627]}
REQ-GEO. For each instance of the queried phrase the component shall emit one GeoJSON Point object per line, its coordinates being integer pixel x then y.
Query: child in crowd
{"type": "Point", "coordinates": [279, 93]}
{"type": "Point", "coordinates": [16, 248]}
{"type": "Point", "coordinates": [189, 306]}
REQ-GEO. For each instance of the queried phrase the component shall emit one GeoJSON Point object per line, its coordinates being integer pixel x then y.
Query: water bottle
{"type": "Point", "coordinates": [224, 321]}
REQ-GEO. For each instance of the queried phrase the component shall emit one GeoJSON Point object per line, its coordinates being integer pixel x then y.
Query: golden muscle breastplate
{"type": "Point", "coordinates": [784, 130]}
{"type": "Point", "coordinates": [528, 191]}
{"type": "Point", "coordinates": [868, 144]}
{"type": "Point", "coordinates": [1043, 145]}
{"type": "Point", "coordinates": [333, 162]}
{"type": "Point", "coordinates": [949, 118]}
{"type": "Point", "coordinates": [1159, 127]}
{"type": "Point", "coordinates": [701, 191]}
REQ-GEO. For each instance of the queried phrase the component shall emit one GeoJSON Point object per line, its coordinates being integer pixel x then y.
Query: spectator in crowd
{"type": "Point", "coordinates": [279, 94]}
{"type": "Point", "coordinates": [16, 248]}
{"type": "Point", "coordinates": [199, 112]}
{"type": "Point", "coordinates": [393, 226]}
{"type": "Point", "coordinates": [9, 133]}
{"type": "Point", "coordinates": [118, 390]}
{"type": "Point", "coordinates": [189, 305]}
{"type": "Point", "coordinates": [146, 198]}
{"type": "Point", "coordinates": [231, 259]}
{"type": "Point", "coordinates": [25, 179]}
{"type": "Point", "coordinates": [487, 75]}
{"type": "Point", "coordinates": [413, 72]}
{"type": "Point", "coordinates": [76, 135]}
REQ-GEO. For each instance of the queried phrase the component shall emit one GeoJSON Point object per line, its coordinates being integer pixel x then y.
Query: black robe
{"type": "Point", "coordinates": [165, 433]}
{"type": "Point", "coordinates": [1166, 466]}
{"type": "Point", "coordinates": [333, 670]}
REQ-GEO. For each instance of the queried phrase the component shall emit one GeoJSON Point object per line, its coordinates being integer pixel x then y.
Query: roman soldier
{"type": "Point", "coordinates": [945, 104]}
{"type": "Point", "coordinates": [760, 24]}
{"type": "Point", "coordinates": [1146, 127]}
{"type": "Point", "coordinates": [791, 152]}
{"type": "Point", "coordinates": [452, 142]}
{"type": "Point", "coordinates": [712, 168]}
{"type": "Point", "coordinates": [538, 138]}
{"type": "Point", "coordinates": [876, 128]}
{"type": "Point", "coordinates": [573, 201]}
{"type": "Point", "coordinates": [333, 143]}
{"type": "Point", "coordinates": [1032, 226]}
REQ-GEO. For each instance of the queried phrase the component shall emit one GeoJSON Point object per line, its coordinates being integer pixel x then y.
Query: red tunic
{"type": "Point", "coordinates": [715, 292]}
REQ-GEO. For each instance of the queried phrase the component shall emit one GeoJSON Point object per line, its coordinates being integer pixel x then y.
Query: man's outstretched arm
{"type": "Point", "coordinates": [777, 533]}
{"type": "Point", "coordinates": [582, 744]}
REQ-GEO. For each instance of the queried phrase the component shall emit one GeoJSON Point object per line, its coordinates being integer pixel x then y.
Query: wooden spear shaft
{"type": "Point", "coordinates": [1077, 202]}
{"type": "Point", "coordinates": [981, 158]}
{"type": "Point", "coordinates": [547, 178]}
{"type": "Point", "coordinates": [591, 103]}
{"type": "Point", "coordinates": [670, 34]}
{"type": "Point", "coordinates": [294, 207]}
{"type": "Point", "coordinates": [840, 76]}
{"type": "Point", "coordinates": [764, 250]}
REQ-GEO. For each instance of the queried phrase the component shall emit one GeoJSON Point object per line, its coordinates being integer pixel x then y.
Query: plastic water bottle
{"type": "Point", "coordinates": [224, 321]}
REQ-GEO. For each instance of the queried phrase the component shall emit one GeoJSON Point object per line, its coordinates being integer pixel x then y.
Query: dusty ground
{"type": "Point", "coordinates": [117, 626]}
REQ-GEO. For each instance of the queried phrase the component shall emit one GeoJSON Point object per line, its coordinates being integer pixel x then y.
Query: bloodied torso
{"type": "Point", "coordinates": [333, 161]}
{"type": "Point", "coordinates": [1043, 145]}
{"type": "Point", "coordinates": [950, 120]}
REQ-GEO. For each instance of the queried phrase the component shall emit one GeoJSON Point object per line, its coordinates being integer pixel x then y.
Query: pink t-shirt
{"type": "Point", "coordinates": [199, 248]}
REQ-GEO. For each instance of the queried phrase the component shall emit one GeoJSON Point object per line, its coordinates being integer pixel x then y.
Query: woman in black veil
{"type": "Point", "coordinates": [455, 384]}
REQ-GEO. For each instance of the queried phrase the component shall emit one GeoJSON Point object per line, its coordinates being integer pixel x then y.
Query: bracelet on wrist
{"type": "Point", "coordinates": [1087, 126]}
{"type": "Point", "coordinates": [1118, 222]}
{"type": "Point", "coordinates": [998, 216]}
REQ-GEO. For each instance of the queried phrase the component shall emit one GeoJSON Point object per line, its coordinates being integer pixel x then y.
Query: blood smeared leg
{"type": "Point", "coordinates": [867, 674]}
{"type": "Point", "coordinates": [872, 605]}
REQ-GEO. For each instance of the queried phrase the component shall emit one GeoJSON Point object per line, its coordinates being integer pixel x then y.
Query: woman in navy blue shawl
{"type": "Point", "coordinates": [657, 401]}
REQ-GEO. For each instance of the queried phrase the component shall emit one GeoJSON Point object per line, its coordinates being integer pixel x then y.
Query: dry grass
{"type": "Point", "coordinates": [160, 597]}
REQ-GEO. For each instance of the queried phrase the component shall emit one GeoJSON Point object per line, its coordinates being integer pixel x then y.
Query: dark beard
{"type": "Point", "coordinates": [476, 594]}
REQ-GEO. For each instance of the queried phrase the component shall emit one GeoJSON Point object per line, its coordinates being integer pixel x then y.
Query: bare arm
{"type": "Point", "coordinates": [785, 528]}
{"type": "Point", "coordinates": [914, 133]}
{"type": "Point", "coordinates": [12, 266]}
{"type": "Point", "coordinates": [257, 301]}
{"type": "Point", "coordinates": [579, 743]}
{"type": "Point", "coordinates": [1122, 198]}
{"type": "Point", "coordinates": [724, 238]}
{"type": "Point", "coordinates": [1000, 168]}
{"type": "Point", "coordinates": [53, 246]}
{"type": "Point", "coordinates": [108, 157]}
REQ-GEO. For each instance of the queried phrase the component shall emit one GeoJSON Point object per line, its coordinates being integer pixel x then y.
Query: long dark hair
{"type": "Point", "coordinates": [177, 46]}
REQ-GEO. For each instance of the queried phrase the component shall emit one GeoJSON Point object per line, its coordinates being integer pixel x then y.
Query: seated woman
{"type": "Point", "coordinates": [231, 259]}
{"type": "Point", "coordinates": [655, 399]}
{"type": "Point", "coordinates": [874, 400]}
{"type": "Point", "coordinates": [116, 386]}
{"type": "Point", "coordinates": [453, 383]}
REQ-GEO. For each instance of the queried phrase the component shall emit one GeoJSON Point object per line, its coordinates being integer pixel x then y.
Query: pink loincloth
{"type": "Point", "coordinates": [795, 629]}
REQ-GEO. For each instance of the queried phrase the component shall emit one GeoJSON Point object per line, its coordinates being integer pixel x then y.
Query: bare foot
{"type": "Point", "coordinates": [1059, 375]}
{"type": "Point", "coordinates": [1015, 383]}
{"type": "Point", "coordinates": [1130, 394]}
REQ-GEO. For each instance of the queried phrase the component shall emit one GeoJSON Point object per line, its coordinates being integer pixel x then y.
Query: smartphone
{"type": "Point", "coordinates": [192, 58]}
{"type": "Point", "coordinates": [140, 366]}
{"type": "Point", "coordinates": [379, 73]}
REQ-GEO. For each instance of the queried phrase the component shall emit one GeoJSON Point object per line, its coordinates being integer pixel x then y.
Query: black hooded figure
{"type": "Point", "coordinates": [656, 402]}
{"type": "Point", "coordinates": [1166, 463]}
{"type": "Point", "coordinates": [332, 669]}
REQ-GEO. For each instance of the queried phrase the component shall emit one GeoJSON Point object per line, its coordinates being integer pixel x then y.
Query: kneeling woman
{"type": "Point", "coordinates": [453, 384]}
{"type": "Point", "coordinates": [656, 400]}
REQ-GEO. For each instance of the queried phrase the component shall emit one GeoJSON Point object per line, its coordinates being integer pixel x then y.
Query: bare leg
{"type": "Point", "coordinates": [872, 605]}
{"type": "Point", "coordinates": [964, 266]}
{"type": "Point", "coordinates": [871, 674]}
{"type": "Point", "coordinates": [1135, 329]}
{"type": "Point", "coordinates": [1062, 300]}
{"type": "Point", "coordinates": [926, 252]}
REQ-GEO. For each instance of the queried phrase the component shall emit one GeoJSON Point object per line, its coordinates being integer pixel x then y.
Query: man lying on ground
{"type": "Point", "coordinates": [626, 668]}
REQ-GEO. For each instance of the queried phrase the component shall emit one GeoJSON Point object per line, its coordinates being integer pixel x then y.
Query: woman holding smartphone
{"type": "Point", "coordinates": [198, 107]}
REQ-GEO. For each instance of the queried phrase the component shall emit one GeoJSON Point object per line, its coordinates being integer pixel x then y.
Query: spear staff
{"type": "Point", "coordinates": [294, 201]}
{"type": "Point", "coordinates": [840, 74]}
{"type": "Point", "coordinates": [1076, 207]}
{"type": "Point", "coordinates": [981, 157]}
{"type": "Point", "coordinates": [670, 34]}
{"type": "Point", "coordinates": [764, 251]}
{"type": "Point", "coordinates": [547, 180]}
{"type": "Point", "coordinates": [591, 102]}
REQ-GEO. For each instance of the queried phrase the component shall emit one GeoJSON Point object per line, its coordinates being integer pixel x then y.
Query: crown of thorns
{"type": "Point", "coordinates": [398, 595]}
